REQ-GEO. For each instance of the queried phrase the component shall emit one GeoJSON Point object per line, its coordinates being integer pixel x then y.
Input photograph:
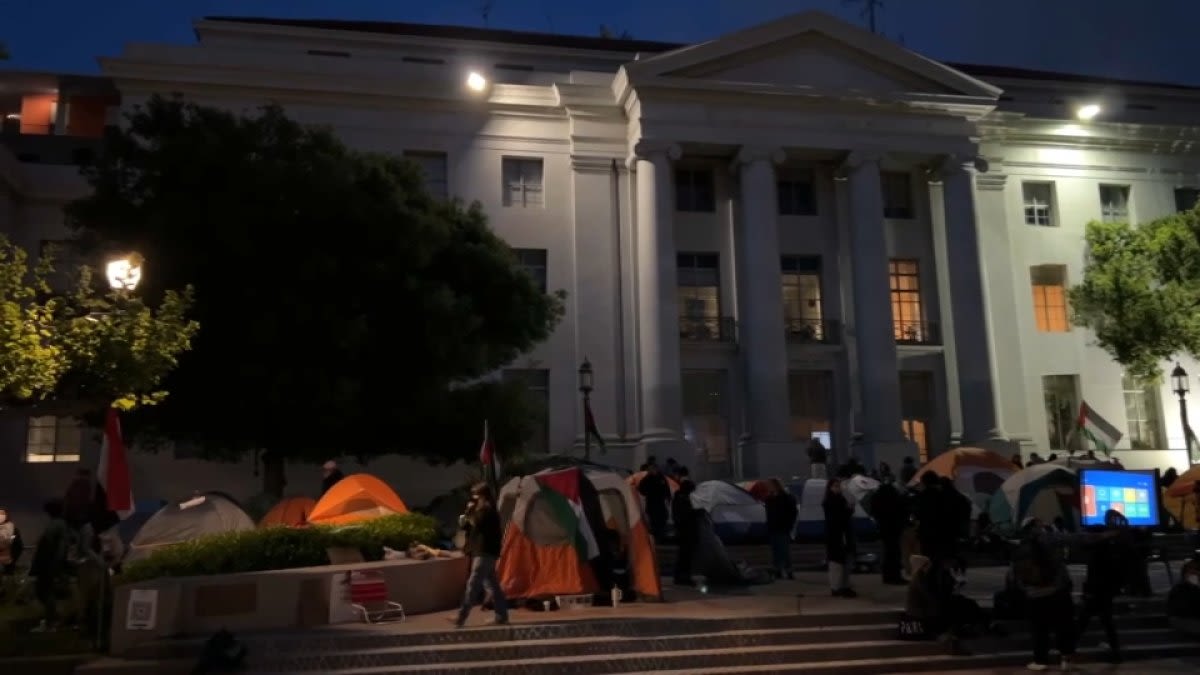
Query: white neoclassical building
{"type": "Point", "coordinates": [799, 228]}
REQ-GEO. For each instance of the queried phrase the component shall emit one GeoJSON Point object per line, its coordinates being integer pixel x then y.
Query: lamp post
{"type": "Point", "coordinates": [585, 388]}
{"type": "Point", "coordinates": [124, 273]}
{"type": "Point", "coordinates": [1179, 380]}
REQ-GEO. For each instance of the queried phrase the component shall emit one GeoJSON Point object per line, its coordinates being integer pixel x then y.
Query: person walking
{"type": "Point", "coordinates": [1104, 581]}
{"type": "Point", "coordinates": [687, 531]}
{"type": "Point", "coordinates": [839, 538]}
{"type": "Point", "coordinates": [781, 518]}
{"type": "Point", "coordinates": [481, 522]}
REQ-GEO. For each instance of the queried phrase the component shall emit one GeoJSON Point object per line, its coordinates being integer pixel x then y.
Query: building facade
{"type": "Point", "coordinates": [796, 229]}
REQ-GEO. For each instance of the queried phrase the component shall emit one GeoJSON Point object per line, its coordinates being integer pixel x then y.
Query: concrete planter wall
{"type": "Point", "coordinates": [280, 599]}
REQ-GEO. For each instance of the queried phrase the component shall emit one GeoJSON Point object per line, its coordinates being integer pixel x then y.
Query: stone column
{"type": "Point", "coordinates": [658, 313]}
{"type": "Point", "coordinates": [875, 344]}
{"type": "Point", "coordinates": [761, 338]}
{"type": "Point", "coordinates": [971, 335]}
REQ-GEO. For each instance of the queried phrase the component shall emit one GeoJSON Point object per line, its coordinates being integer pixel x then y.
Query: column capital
{"type": "Point", "coordinates": [858, 159]}
{"type": "Point", "coordinates": [752, 153]}
{"type": "Point", "coordinates": [953, 164]}
{"type": "Point", "coordinates": [652, 149]}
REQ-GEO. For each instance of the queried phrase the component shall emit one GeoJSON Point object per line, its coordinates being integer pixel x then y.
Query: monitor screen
{"type": "Point", "coordinates": [1132, 493]}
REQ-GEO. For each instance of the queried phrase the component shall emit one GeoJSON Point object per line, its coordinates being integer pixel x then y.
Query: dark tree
{"type": "Point", "coordinates": [345, 310]}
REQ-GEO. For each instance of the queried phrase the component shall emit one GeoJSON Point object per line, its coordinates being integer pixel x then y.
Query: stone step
{"type": "Point", "coordinates": [859, 657]}
{"type": "Point", "coordinates": [821, 645]}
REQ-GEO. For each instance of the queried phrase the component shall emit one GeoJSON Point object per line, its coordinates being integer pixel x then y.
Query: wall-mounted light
{"type": "Point", "coordinates": [13, 116]}
{"type": "Point", "coordinates": [476, 82]}
{"type": "Point", "coordinates": [1088, 112]}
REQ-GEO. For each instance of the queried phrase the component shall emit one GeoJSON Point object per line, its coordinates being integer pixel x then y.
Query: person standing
{"type": "Point", "coordinates": [781, 518]}
{"type": "Point", "coordinates": [839, 538]}
{"type": "Point", "coordinates": [890, 511]}
{"type": "Point", "coordinates": [49, 563]}
{"type": "Point", "coordinates": [1039, 571]}
{"type": "Point", "coordinates": [818, 456]}
{"type": "Point", "coordinates": [1103, 582]}
{"type": "Point", "coordinates": [656, 493]}
{"type": "Point", "coordinates": [687, 531]}
{"type": "Point", "coordinates": [481, 522]}
{"type": "Point", "coordinates": [907, 470]}
{"type": "Point", "coordinates": [330, 475]}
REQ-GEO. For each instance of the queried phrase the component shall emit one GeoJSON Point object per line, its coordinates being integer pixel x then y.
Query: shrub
{"type": "Point", "coordinates": [276, 548]}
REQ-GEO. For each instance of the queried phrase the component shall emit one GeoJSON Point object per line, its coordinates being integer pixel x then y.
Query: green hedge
{"type": "Point", "coordinates": [276, 548]}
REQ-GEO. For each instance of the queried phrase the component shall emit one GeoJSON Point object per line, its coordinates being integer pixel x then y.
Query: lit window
{"type": "Point", "coordinates": [53, 439]}
{"type": "Point", "coordinates": [695, 190]}
{"type": "Point", "coordinates": [705, 418]}
{"type": "Point", "coordinates": [522, 182]}
{"type": "Point", "coordinates": [802, 298]}
{"type": "Point", "coordinates": [1114, 203]}
{"type": "Point", "coordinates": [534, 262]}
{"type": "Point", "coordinates": [916, 401]}
{"type": "Point", "coordinates": [810, 397]}
{"type": "Point", "coordinates": [905, 278]}
{"type": "Point", "coordinates": [434, 168]}
{"type": "Point", "coordinates": [699, 292]}
{"type": "Point", "coordinates": [897, 195]}
{"type": "Point", "coordinates": [1049, 284]}
{"type": "Point", "coordinates": [1038, 208]}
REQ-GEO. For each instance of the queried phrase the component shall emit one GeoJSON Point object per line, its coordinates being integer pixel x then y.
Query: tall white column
{"type": "Point", "coordinates": [971, 335]}
{"type": "Point", "coordinates": [658, 312]}
{"type": "Point", "coordinates": [878, 371]}
{"type": "Point", "coordinates": [760, 322]}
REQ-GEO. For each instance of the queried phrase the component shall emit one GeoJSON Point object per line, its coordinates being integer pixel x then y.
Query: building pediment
{"type": "Point", "coordinates": [811, 53]}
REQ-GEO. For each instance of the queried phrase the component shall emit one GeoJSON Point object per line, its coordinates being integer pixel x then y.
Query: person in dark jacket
{"type": "Point", "coordinates": [890, 511]}
{"type": "Point", "coordinates": [80, 500]}
{"type": "Point", "coordinates": [656, 494]}
{"type": "Point", "coordinates": [50, 563]}
{"type": "Point", "coordinates": [818, 458]}
{"type": "Point", "coordinates": [330, 475]}
{"type": "Point", "coordinates": [481, 523]}
{"type": "Point", "coordinates": [839, 538]}
{"type": "Point", "coordinates": [907, 470]}
{"type": "Point", "coordinates": [781, 518]}
{"type": "Point", "coordinates": [1105, 577]}
{"type": "Point", "coordinates": [687, 531]}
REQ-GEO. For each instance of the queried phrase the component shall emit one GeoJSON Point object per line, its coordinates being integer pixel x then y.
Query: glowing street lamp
{"type": "Point", "coordinates": [1088, 112]}
{"type": "Point", "coordinates": [124, 273]}
{"type": "Point", "coordinates": [476, 82]}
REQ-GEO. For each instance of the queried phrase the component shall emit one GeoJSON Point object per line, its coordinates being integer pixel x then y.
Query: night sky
{"type": "Point", "coordinates": [1148, 40]}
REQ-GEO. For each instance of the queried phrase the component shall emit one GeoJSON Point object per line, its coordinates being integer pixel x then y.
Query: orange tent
{"type": "Point", "coordinates": [356, 498]}
{"type": "Point", "coordinates": [557, 520]}
{"type": "Point", "coordinates": [289, 512]}
{"type": "Point", "coordinates": [636, 478]}
{"type": "Point", "coordinates": [975, 471]}
{"type": "Point", "coordinates": [1185, 484]}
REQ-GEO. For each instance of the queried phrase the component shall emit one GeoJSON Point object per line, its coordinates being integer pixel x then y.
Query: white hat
{"type": "Point", "coordinates": [329, 466]}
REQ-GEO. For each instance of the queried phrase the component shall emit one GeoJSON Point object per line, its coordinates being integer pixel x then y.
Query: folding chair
{"type": "Point", "coordinates": [369, 595]}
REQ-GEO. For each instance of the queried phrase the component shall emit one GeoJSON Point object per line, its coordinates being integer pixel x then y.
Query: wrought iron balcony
{"type": "Point", "coordinates": [812, 331]}
{"type": "Point", "coordinates": [916, 333]}
{"type": "Point", "coordinates": [707, 328]}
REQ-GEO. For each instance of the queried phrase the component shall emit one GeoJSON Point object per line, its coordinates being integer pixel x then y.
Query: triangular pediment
{"type": "Point", "coordinates": [812, 51]}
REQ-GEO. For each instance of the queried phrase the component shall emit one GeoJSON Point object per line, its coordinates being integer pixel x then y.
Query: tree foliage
{"type": "Point", "coordinates": [78, 351]}
{"type": "Point", "coordinates": [1140, 293]}
{"type": "Point", "coordinates": [345, 310]}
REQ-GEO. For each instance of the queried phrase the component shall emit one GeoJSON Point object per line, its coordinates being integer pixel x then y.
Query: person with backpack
{"type": "Point", "coordinates": [1039, 570]}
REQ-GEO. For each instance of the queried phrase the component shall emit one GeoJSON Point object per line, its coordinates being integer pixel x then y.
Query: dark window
{"type": "Point", "coordinates": [695, 190]}
{"type": "Point", "coordinates": [897, 195]}
{"type": "Point", "coordinates": [534, 262]}
{"type": "Point", "coordinates": [797, 193]}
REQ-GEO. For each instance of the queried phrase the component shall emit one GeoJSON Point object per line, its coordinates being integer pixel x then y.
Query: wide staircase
{"type": "Point", "coordinates": [852, 642]}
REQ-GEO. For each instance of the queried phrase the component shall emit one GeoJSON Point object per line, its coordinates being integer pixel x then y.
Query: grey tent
{"type": "Point", "coordinates": [209, 513]}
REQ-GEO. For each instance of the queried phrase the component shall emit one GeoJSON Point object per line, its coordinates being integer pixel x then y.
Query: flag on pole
{"type": "Point", "coordinates": [487, 458]}
{"type": "Point", "coordinates": [1098, 430]}
{"type": "Point", "coordinates": [113, 473]}
{"type": "Point", "coordinates": [589, 425]}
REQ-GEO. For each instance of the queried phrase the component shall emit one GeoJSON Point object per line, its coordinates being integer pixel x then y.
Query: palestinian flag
{"type": "Point", "coordinates": [1094, 428]}
{"type": "Point", "coordinates": [560, 490]}
{"type": "Point", "coordinates": [589, 425]}
{"type": "Point", "coordinates": [489, 461]}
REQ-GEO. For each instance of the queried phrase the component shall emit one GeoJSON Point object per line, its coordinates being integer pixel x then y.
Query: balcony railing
{"type": "Point", "coordinates": [707, 328]}
{"type": "Point", "coordinates": [811, 331]}
{"type": "Point", "coordinates": [916, 333]}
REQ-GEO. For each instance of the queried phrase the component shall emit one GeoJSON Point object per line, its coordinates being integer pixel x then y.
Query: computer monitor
{"type": "Point", "coordinates": [1131, 493]}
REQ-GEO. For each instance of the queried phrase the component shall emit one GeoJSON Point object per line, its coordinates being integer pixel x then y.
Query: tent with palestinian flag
{"type": "Point", "coordinates": [561, 528]}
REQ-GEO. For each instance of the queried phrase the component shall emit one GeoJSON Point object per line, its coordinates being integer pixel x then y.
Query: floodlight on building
{"type": "Point", "coordinates": [476, 82]}
{"type": "Point", "coordinates": [1088, 112]}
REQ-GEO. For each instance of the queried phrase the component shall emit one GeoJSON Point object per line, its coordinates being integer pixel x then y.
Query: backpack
{"type": "Point", "coordinates": [1033, 565]}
